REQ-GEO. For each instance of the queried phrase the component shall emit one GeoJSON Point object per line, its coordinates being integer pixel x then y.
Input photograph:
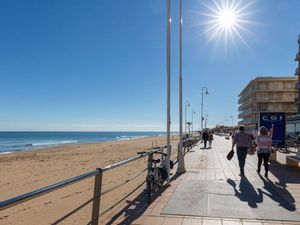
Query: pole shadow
{"type": "Point", "coordinates": [136, 208]}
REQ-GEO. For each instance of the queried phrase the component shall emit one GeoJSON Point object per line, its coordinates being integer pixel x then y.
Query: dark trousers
{"type": "Point", "coordinates": [205, 142]}
{"type": "Point", "coordinates": [265, 157]}
{"type": "Point", "coordinates": [241, 154]}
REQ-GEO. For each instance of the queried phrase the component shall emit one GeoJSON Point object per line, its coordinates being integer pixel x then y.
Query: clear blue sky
{"type": "Point", "coordinates": [101, 65]}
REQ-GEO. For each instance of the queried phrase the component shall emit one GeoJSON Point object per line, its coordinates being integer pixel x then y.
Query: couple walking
{"type": "Point", "coordinates": [244, 141]}
{"type": "Point", "coordinates": [207, 136]}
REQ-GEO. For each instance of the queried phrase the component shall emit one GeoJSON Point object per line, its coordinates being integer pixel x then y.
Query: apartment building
{"type": "Point", "coordinates": [267, 94]}
{"type": "Point", "coordinates": [297, 73]}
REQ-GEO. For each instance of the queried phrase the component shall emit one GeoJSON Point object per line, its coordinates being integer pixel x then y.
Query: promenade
{"type": "Point", "coordinates": [211, 192]}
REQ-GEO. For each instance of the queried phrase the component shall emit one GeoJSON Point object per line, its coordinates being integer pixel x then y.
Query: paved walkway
{"type": "Point", "coordinates": [211, 166]}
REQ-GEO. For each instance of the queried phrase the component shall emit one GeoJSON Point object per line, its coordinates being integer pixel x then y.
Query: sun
{"type": "Point", "coordinates": [226, 20]}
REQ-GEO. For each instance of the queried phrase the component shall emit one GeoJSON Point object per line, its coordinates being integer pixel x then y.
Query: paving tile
{"type": "Point", "coordinates": [156, 211]}
{"type": "Point", "coordinates": [192, 221]}
{"type": "Point", "coordinates": [211, 222]}
{"type": "Point", "coordinates": [231, 222]}
{"type": "Point", "coordinates": [153, 220]}
{"type": "Point", "coordinates": [251, 223]}
{"type": "Point", "coordinates": [272, 223]}
{"type": "Point", "coordinates": [139, 220]}
{"type": "Point", "coordinates": [172, 221]}
{"type": "Point", "coordinates": [291, 223]}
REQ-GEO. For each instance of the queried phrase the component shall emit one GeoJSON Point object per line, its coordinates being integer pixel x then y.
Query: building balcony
{"type": "Point", "coordinates": [274, 100]}
{"type": "Point", "coordinates": [297, 71]}
{"type": "Point", "coordinates": [297, 58]}
{"type": "Point", "coordinates": [247, 121]}
{"type": "Point", "coordinates": [245, 113]}
{"type": "Point", "coordinates": [240, 108]}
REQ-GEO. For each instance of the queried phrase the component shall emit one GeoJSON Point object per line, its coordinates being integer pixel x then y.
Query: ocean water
{"type": "Point", "coordinates": [20, 141]}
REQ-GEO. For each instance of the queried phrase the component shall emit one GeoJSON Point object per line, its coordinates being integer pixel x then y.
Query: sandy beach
{"type": "Point", "coordinates": [25, 171]}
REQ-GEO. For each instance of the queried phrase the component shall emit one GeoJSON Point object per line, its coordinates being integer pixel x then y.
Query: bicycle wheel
{"type": "Point", "coordinates": [149, 187]}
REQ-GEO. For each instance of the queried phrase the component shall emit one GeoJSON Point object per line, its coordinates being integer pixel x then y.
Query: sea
{"type": "Point", "coordinates": [22, 141]}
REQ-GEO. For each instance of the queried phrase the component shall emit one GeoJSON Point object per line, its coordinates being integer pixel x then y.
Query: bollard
{"type": "Point", "coordinates": [97, 197]}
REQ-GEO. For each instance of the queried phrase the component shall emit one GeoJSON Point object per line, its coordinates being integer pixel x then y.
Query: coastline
{"type": "Point", "coordinates": [25, 171]}
{"type": "Point", "coordinates": [15, 141]}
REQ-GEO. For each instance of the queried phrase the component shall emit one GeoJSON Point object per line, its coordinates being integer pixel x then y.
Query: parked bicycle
{"type": "Point", "coordinates": [157, 172]}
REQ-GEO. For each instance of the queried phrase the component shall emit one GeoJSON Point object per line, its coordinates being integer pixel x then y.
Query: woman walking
{"type": "Point", "coordinates": [210, 139]}
{"type": "Point", "coordinates": [264, 144]}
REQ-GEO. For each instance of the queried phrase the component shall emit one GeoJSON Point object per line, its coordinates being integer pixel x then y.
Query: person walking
{"type": "Point", "coordinates": [243, 141]}
{"type": "Point", "coordinates": [210, 139]}
{"type": "Point", "coordinates": [205, 137]}
{"type": "Point", "coordinates": [264, 144]}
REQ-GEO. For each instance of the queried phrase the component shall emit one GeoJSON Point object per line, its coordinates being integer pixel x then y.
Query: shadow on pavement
{"type": "Point", "coordinates": [136, 208]}
{"type": "Point", "coordinates": [247, 192]}
{"type": "Point", "coordinates": [284, 173]}
{"type": "Point", "coordinates": [274, 189]}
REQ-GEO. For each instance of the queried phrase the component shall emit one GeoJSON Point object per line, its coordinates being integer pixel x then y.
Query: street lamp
{"type": "Point", "coordinates": [206, 118]}
{"type": "Point", "coordinates": [180, 157]}
{"type": "Point", "coordinates": [232, 120]}
{"type": "Point", "coordinates": [168, 89]}
{"type": "Point", "coordinates": [187, 104]}
{"type": "Point", "coordinates": [193, 113]}
{"type": "Point", "coordinates": [206, 92]}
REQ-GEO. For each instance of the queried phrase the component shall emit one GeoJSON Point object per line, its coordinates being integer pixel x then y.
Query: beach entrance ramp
{"type": "Point", "coordinates": [230, 199]}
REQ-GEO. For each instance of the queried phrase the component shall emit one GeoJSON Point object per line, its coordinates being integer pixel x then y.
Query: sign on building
{"type": "Point", "coordinates": [275, 122]}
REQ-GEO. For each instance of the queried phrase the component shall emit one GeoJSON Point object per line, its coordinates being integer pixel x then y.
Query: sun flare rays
{"type": "Point", "coordinates": [226, 21]}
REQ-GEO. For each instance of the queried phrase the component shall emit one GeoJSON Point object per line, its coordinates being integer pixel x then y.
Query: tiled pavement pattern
{"type": "Point", "coordinates": [211, 164]}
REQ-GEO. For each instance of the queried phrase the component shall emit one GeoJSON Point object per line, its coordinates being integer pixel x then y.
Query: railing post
{"type": "Point", "coordinates": [97, 197]}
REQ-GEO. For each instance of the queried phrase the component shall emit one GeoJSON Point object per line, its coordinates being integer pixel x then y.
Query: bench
{"type": "Point", "coordinates": [292, 160]}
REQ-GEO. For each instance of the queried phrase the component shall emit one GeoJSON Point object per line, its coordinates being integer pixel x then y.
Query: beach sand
{"type": "Point", "coordinates": [29, 170]}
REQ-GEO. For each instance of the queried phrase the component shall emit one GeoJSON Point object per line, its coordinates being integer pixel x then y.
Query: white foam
{"type": "Point", "coordinates": [2, 153]}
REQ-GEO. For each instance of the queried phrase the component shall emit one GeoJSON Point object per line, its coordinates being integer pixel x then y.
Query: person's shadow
{"type": "Point", "coordinates": [277, 192]}
{"type": "Point", "coordinates": [246, 192]}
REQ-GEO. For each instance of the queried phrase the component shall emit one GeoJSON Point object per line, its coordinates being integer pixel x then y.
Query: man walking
{"type": "Point", "coordinates": [243, 141]}
{"type": "Point", "coordinates": [205, 137]}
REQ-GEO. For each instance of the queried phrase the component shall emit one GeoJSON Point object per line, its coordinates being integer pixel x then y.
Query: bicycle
{"type": "Point", "coordinates": [157, 174]}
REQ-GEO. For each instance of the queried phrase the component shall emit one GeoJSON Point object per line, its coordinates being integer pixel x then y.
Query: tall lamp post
{"type": "Point", "coordinates": [180, 157]}
{"type": "Point", "coordinates": [206, 93]}
{"type": "Point", "coordinates": [193, 113]}
{"type": "Point", "coordinates": [232, 120]}
{"type": "Point", "coordinates": [187, 104]}
{"type": "Point", "coordinates": [168, 90]}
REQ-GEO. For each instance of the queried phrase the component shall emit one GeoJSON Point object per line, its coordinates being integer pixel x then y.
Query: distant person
{"type": "Point", "coordinates": [210, 139]}
{"type": "Point", "coordinates": [264, 144]}
{"type": "Point", "coordinates": [243, 141]}
{"type": "Point", "coordinates": [205, 137]}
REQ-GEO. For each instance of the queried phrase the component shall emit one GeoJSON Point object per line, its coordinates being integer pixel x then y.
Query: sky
{"type": "Point", "coordinates": [99, 65]}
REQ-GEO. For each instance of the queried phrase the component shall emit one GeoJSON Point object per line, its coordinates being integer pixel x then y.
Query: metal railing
{"type": "Point", "coordinates": [98, 173]}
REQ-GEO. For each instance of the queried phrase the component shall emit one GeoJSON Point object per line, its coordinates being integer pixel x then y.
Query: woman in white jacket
{"type": "Point", "coordinates": [264, 144]}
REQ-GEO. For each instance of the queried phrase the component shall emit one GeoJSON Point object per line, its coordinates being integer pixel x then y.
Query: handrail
{"type": "Point", "coordinates": [98, 182]}
{"type": "Point", "coordinates": [36, 193]}
{"type": "Point", "coordinates": [33, 194]}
